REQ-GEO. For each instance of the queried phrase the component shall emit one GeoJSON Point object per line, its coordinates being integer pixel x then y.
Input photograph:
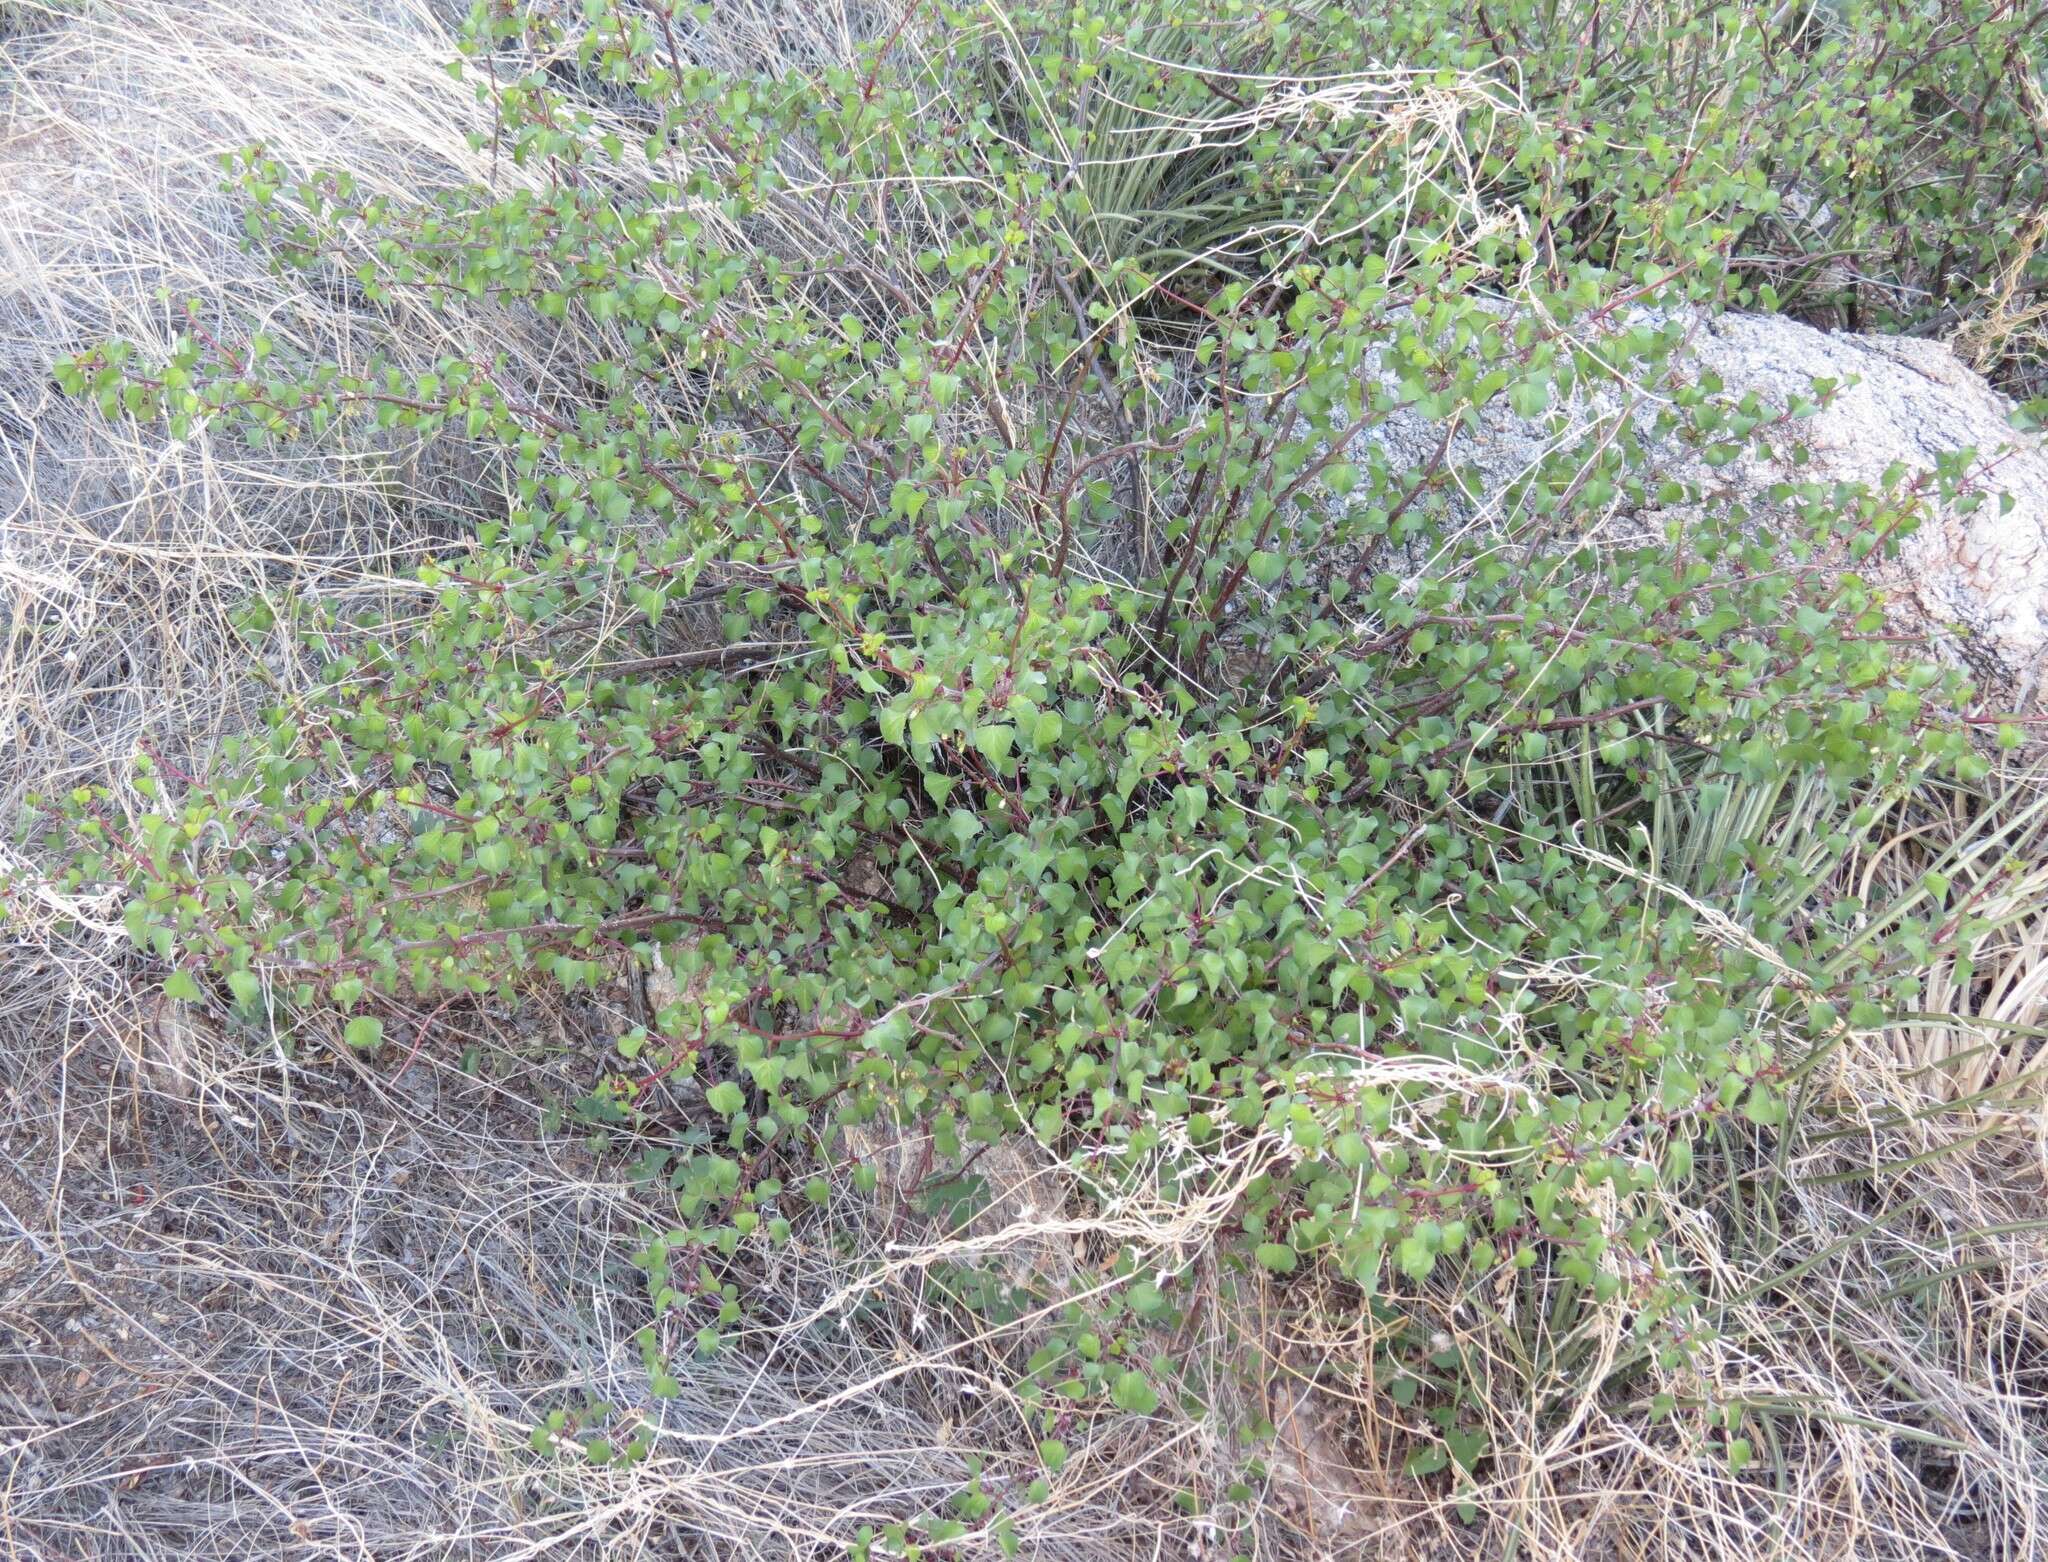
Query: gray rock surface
{"type": "Point", "coordinates": [1975, 583]}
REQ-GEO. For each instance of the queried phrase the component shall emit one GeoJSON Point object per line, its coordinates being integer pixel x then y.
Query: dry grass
{"type": "Point", "coordinates": [1878, 1285]}
{"type": "Point", "coordinates": [126, 556]}
{"type": "Point", "coordinates": [312, 1307]}
{"type": "Point", "coordinates": [313, 1310]}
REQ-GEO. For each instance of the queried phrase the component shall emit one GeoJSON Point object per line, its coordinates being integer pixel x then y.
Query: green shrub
{"type": "Point", "coordinates": [963, 619]}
